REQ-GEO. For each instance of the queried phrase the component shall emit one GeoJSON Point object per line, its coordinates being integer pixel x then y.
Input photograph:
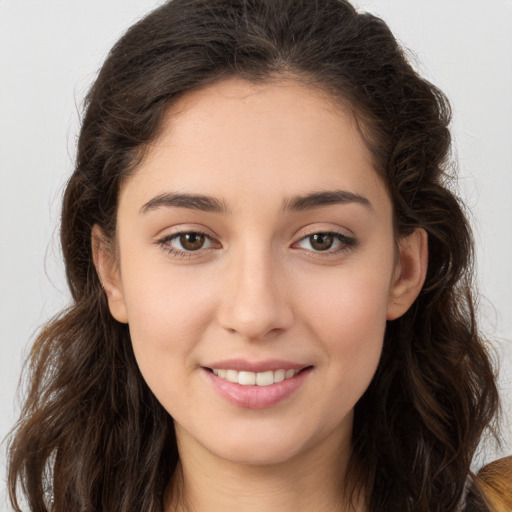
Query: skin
{"type": "Point", "coordinates": [259, 288]}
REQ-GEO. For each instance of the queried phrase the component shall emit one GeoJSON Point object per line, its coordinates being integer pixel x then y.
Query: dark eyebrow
{"type": "Point", "coordinates": [320, 199]}
{"type": "Point", "coordinates": [191, 201]}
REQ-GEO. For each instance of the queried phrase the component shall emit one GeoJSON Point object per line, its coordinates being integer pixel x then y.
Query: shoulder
{"type": "Point", "coordinates": [491, 488]}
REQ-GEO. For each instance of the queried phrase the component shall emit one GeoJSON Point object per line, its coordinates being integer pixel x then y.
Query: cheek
{"type": "Point", "coordinates": [351, 302]}
{"type": "Point", "coordinates": [167, 319]}
{"type": "Point", "coordinates": [349, 320]}
{"type": "Point", "coordinates": [167, 312]}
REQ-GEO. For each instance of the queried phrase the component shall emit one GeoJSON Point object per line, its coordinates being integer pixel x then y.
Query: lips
{"type": "Point", "coordinates": [256, 385]}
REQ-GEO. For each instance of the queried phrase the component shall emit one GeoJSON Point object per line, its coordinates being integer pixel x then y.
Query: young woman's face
{"type": "Point", "coordinates": [257, 268]}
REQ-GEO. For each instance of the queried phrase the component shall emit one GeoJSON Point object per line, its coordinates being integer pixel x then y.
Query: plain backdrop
{"type": "Point", "coordinates": [50, 51]}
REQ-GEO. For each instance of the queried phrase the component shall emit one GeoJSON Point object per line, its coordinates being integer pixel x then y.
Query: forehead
{"type": "Point", "coordinates": [236, 138]}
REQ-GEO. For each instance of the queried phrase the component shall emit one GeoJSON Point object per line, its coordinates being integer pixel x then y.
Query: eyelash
{"type": "Point", "coordinates": [346, 243]}
{"type": "Point", "coordinates": [164, 243]}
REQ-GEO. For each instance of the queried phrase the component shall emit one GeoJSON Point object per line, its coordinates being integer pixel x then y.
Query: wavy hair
{"type": "Point", "coordinates": [92, 436]}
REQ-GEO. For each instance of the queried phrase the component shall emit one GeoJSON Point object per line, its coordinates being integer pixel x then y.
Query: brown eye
{"type": "Point", "coordinates": [192, 241]}
{"type": "Point", "coordinates": [321, 241]}
{"type": "Point", "coordinates": [186, 243]}
{"type": "Point", "coordinates": [329, 242]}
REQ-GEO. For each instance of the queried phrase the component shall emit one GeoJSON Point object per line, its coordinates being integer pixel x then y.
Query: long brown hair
{"type": "Point", "coordinates": [92, 436]}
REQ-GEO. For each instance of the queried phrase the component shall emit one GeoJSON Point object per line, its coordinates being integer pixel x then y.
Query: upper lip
{"type": "Point", "coordinates": [243, 365]}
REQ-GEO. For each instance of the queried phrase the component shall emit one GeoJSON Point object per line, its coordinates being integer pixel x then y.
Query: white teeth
{"type": "Point", "coordinates": [232, 375]}
{"type": "Point", "coordinates": [264, 378]}
{"type": "Point", "coordinates": [252, 378]}
{"type": "Point", "coordinates": [289, 374]}
{"type": "Point", "coordinates": [279, 375]}
{"type": "Point", "coordinates": [246, 378]}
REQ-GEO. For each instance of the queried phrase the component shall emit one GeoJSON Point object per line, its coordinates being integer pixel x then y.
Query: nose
{"type": "Point", "coordinates": [255, 301]}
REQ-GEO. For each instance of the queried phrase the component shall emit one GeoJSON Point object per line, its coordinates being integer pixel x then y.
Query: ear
{"type": "Point", "coordinates": [107, 268]}
{"type": "Point", "coordinates": [410, 273]}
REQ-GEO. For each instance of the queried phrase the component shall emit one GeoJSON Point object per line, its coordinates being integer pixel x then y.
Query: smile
{"type": "Point", "coordinates": [256, 389]}
{"type": "Point", "coordinates": [246, 378]}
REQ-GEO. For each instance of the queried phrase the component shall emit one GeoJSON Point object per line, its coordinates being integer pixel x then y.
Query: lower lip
{"type": "Point", "coordinates": [257, 397]}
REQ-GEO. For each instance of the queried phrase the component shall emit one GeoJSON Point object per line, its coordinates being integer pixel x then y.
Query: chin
{"type": "Point", "coordinates": [259, 446]}
{"type": "Point", "coordinates": [263, 454]}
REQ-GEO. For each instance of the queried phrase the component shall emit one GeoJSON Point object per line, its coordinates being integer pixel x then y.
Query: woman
{"type": "Point", "coordinates": [271, 281]}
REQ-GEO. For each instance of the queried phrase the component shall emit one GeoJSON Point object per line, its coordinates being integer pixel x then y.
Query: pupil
{"type": "Point", "coordinates": [322, 241]}
{"type": "Point", "coordinates": [192, 241]}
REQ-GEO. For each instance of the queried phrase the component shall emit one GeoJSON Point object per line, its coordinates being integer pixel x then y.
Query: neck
{"type": "Point", "coordinates": [312, 481]}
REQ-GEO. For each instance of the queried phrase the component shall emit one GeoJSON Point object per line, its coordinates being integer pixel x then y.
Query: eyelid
{"type": "Point", "coordinates": [163, 242]}
{"type": "Point", "coordinates": [346, 242]}
{"type": "Point", "coordinates": [343, 242]}
{"type": "Point", "coordinates": [177, 229]}
{"type": "Point", "coordinates": [322, 228]}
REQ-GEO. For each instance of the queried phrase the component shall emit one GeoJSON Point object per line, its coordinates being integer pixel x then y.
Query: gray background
{"type": "Point", "coordinates": [50, 52]}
